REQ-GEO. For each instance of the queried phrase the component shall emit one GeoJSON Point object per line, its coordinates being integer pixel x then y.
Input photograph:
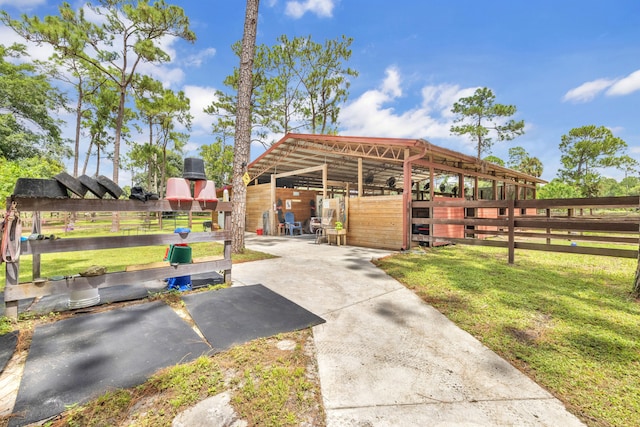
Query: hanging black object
{"type": "Point", "coordinates": [194, 169]}
{"type": "Point", "coordinates": [369, 178]}
{"type": "Point", "coordinates": [391, 182]}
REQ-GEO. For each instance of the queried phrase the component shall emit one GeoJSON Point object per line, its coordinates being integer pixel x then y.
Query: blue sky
{"type": "Point", "coordinates": [563, 64]}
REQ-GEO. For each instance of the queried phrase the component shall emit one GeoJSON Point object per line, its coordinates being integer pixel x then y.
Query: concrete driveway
{"type": "Point", "coordinates": [386, 358]}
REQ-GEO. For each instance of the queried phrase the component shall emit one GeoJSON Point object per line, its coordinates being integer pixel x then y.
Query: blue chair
{"type": "Point", "coordinates": [291, 224]}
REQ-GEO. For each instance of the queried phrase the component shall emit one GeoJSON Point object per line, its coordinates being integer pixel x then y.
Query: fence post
{"type": "Point", "coordinates": [548, 229]}
{"type": "Point", "coordinates": [510, 213]}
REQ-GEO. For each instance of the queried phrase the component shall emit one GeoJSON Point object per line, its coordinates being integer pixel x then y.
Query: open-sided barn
{"type": "Point", "coordinates": [369, 184]}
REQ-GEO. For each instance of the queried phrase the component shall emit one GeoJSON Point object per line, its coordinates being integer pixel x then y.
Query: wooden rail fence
{"type": "Point", "coordinates": [608, 226]}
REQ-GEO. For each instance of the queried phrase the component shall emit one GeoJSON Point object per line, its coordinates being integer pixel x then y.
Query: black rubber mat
{"type": "Point", "coordinates": [8, 344]}
{"type": "Point", "coordinates": [206, 279]}
{"type": "Point", "coordinates": [76, 359]}
{"type": "Point", "coordinates": [232, 316]}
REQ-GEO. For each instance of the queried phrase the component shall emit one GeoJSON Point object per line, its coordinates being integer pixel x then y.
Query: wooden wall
{"type": "Point", "coordinates": [448, 230]}
{"type": "Point", "coordinates": [375, 222]}
{"type": "Point", "coordinates": [259, 201]}
{"type": "Point", "coordinates": [490, 213]}
{"type": "Point", "coordinates": [300, 202]}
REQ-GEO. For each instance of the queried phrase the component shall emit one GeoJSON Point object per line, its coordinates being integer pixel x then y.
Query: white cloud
{"type": "Point", "coordinates": [370, 115]}
{"type": "Point", "coordinates": [626, 85]}
{"type": "Point", "coordinates": [613, 87]}
{"type": "Point", "coordinates": [391, 84]}
{"type": "Point", "coordinates": [441, 98]}
{"type": "Point", "coordinates": [197, 59]}
{"type": "Point", "coordinates": [41, 52]}
{"type": "Point", "coordinates": [323, 8]}
{"type": "Point", "coordinates": [200, 98]}
{"type": "Point", "coordinates": [587, 91]}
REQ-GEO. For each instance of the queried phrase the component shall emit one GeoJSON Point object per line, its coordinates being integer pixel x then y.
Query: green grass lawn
{"type": "Point", "coordinates": [70, 263]}
{"type": "Point", "coordinates": [566, 320]}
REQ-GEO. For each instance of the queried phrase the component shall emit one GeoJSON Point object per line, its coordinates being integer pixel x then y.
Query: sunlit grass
{"type": "Point", "coordinates": [71, 263]}
{"type": "Point", "coordinates": [567, 320]}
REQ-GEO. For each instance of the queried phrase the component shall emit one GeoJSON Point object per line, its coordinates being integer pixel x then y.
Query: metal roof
{"type": "Point", "coordinates": [382, 159]}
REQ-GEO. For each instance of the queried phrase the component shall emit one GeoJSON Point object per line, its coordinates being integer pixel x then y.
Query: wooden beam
{"type": "Point", "coordinates": [360, 179]}
{"type": "Point", "coordinates": [614, 202]}
{"type": "Point", "coordinates": [324, 181]}
{"type": "Point", "coordinates": [438, 166]}
{"type": "Point", "coordinates": [33, 247]}
{"type": "Point", "coordinates": [50, 287]}
{"type": "Point", "coordinates": [113, 205]}
{"type": "Point", "coordinates": [300, 171]}
{"type": "Point", "coordinates": [272, 206]}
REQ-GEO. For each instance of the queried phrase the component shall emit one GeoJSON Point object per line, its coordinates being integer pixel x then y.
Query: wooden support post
{"type": "Point", "coordinates": [548, 229]}
{"type": "Point", "coordinates": [476, 191]}
{"type": "Point", "coordinates": [12, 279]}
{"type": "Point", "coordinates": [324, 182]}
{"type": "Point", "coordinates": [272, 213]}
{"type": "Point", "coordinates": [512, 246]}
{"type": "Point", "coordinates": [36, 228]}
{"type": "Point", "coordinates": [360, 179]}
{"type": "Point", "coordinates": [346, 208]}
{"type": "Point", "coordinates": [431, 185]}
{"type": "Point", "coordinates": [406, 201]}
{"type": "Point", "coordinates": [227, 246]}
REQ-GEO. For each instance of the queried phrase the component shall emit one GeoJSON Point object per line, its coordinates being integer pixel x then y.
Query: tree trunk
{"type": "Point", "coordinates": [243, 126]}
{"type": "Point", "coordinates": [115, 218]}
{"type": "Point", "coordinates": [86, 159]}
{"type": "Point", "coordinates": [76, 150]}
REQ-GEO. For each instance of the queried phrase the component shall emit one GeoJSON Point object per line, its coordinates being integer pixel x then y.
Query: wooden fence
{"type": "Point", "coordinates": [607, 226]}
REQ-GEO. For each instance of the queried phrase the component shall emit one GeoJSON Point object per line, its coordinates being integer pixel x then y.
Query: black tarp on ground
{"type": "Point", "coordinates": [76, 359]}
{"type": "Point", "coordinates": [8, 344]}
{"type": "Point", "coordinates": [235, 315]}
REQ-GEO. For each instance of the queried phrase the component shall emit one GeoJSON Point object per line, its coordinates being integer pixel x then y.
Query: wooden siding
{"type": "Point", "coordinates": [448, 230]}
{"type": "Point", "coordinates": [489, 213]}
{"type": "Point", "coordinates": [300, 203]}
{"type": "Point", "coordinates": [259, 201]}
{"type": "Point", "coordinates": [375, 222]}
